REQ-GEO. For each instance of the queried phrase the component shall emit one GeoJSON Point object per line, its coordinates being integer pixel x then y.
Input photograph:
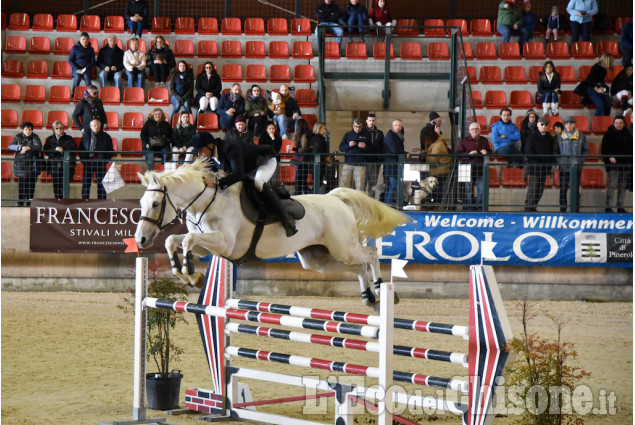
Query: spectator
{"type": "Point", "coordinates": [137, 15]}
{"type": "Point", "coordinates": [89, 108]}
{"type": "Point", "coordinates": [617, 152]}
{"type": "Point", "coordinates": [54, 148]}
{"type": "Point", "coordinates": [529, 21]}
{"type": "Point", "coordinates": [553, 24]}
{"type": "Point", "coordinates": [558, 128]}
{"type": "Point", "coordinates": [135, 63]}
{"type": "Point", "coordinates": [161, 60]}
{"type": "Point", "coordinates": [240, 133]}
{"type": "Point", "coordinates": [328, 15]}
{"type": "Point", "coordinates": [181, 88]}
{"type": "Point", "coordinates": [95, 150]}
{"type": "Point", "coordinates": [230, 106]}
{"type": "Point", "coordinates": [355, 16]}
{"type": "Point", "coordinates": [380, 17]}
{"type": "Point", "coordinates": [439, 165]}
{"type": "Point", "coordinates": [475, 146]}
{"type": "Point", "coordinates": [321, 146]}
{"type": "Point", "coordinates": [257, 111]}
{"type": "Point", "coordinates": [510, 21]}
{"type": "Point", "coordinates": [208, 88]}
{"type": "Point", "coordinates": [622, 89]}
{"type": "Point", "coordinates": [27, 147]}
{"type": "Point", "coordinates": [354, 143]}
{"type": "Point", "coordinates": [110, 60]}
{"type": "Point", "coordinates": [270, 137]}
{"type": "Point", "coordinates": [597, 90]}
{"type": "Point", "coordinates": [291, 112]}
{"type": "Point", "coordinates": [581, 13]}
{"type": "Point", "coordinates": [393, 148]}
{"type": "Point", "coordinates": [182, 135]}
{"type": "Point", "coordinates": [527, 126]}
{"type": "Point", "coordinates": [156, 137]}
{"type": "Point", "coordinates": [435, 121]}
{"type": "Point", "coordinates": [82, 60]}
{"type": "Point", "coordinates": [373, 164]}
{"type": "Point", "coordinates": [627, 44]}
{"type": "Point", "coordinates": [539, 149]}
{"type": "Point", "coordinates": [506, 137]}
{"type": "Point", "coordinates": [549, 89]}
{"type": "Point", "coordinates": [570, 145]}
{"type": "Point", "coordinates": [304, 164]}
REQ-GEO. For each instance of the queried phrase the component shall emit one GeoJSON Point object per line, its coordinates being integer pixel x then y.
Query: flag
{"type": "Point", "coordinates": [487, 250]}
{"type": "Point", "coordinates": [396, 268]}
{"type": "Point", "coordinates": [131, 245]}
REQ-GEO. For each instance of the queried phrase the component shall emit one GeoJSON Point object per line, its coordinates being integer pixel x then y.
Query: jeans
{"type": "Point", "coordinates": [332, 28]}
{"type": "Point", "coordinates": [77, 77]}
{"type": "Point", "coordinates": [575, 31]}
{"type": "Point", "coordinates": [548, 97]}
{"type": "Point", "coordinates": [565, 178]}
{"type": "Point", "coordinates": [178, 105]}
{"type": "Point", "coordinates": [98, 168]}
{"type": "Point", "coordinates": [512, 148]}
{"type": "Point", "coordinates": [355, 20]}
{"type": "Point", "coordinates": [103, 75]}
{"type": "Point", "coordinates": [507, 31]}
{"type": "Point", "coordinates": [151, 156]}
{"type": "Point", "coordinates": [602, 102]}
{"type": "Point", "coordinates": [131, 79]}
{"type": "Point", "coordinates": [136, 27]}
{"type": "Point", "coordinates": [470, 200]}
{"type": "Point", "coordinates": [283, 123]}
{"type": "Point", "coordinates": [391, 176]}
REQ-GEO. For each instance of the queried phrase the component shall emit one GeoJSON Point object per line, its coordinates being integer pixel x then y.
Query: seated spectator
{"type": "Point", "coordinates": [304, 164]}
{"type": "Point", "coordinates": [627, 44]}
{"type": "Point", "coordinates": [510, 21]}
{"type": "Point", "coordinates": [291, 112]}
{"type": "Point", "coordinates": [82, 60]}
{"type": "Point", "coordinates": [617, 153]}
{"type": "Point", "coordinates": [475, 146]}
{"type": "Point", "coordinates": [110, 60]}
{"type": "Point", "coordinates": [380, 17]}
{"type": "Point", "coordinates": [539, 148]}
{"type": "Point", "coordinates": [393, 149]}
{"type": "Point", "coordinates": [156, 137]}
{"type": "Point", "coordinates": [328, 15]}
{"type": "Point", "coordinates": [182, 135]}
{"type": "Point", "coordinates": [27, 147]}
{"type": "Point", "coordinates": [239, 132]}
{"type": "Point", "coordinates": [181, 88]}
{"type": "Point", "coordinates": [439, 165]}
{"type": "Point", "coordinates": [95, 150]}
{"type": "Point", "coordinates": [529, 21]}
{"type": "Point", "coordinates": [88, 108]}
{"type": "Point", "coordinates": [208, 88]}
{"type": "Point", "coordinates": [161, 60]}
{"type": "Point", "coordinates": [549, 89]}
{"type": "Point", "coordinates": [622, 89]}
{"type": "Point", "coordinates": [270, 137]}
{"type": "Point", "coordinates": [354, 15]}
{"type": "Point", "coordinates": [506, 137]}
{"type": "Point", "coordinates": [230, 106]}
{"type": "Point", "coordinates": [137, 15]}
{"type": "Point", "coordinates": [581, 13]}
{"type": "Point", "coordinates": [553, 24]}
{"type": "Point", "coordinates": [135, 63]}
{"type": "Point", "coordinates": [256, 111]}
{"type": "Point", "coordinates": [54, 148]}
{"type": "Point", "coordinates": [354, 143]}
{"type": "Point", "coordinates": [597, 90]}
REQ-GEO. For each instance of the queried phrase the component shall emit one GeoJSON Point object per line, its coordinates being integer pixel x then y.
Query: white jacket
{"type": "Point", "coordinates": [132, 59]}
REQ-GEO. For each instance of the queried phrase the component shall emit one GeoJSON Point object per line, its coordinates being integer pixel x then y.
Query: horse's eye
{"type": "Point", "coordinates": [155, 204]}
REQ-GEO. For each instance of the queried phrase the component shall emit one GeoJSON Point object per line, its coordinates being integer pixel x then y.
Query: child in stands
{"type": "Point", "coordinates": [553, 24]}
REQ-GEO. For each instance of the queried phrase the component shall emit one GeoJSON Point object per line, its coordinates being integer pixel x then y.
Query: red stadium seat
{"type": "Point", "coordinates": [495, 99]}
{"type": "Point", "coordinates": [582, 123]}
{"type": "Point", "coordinates": [207, 49]}
{"type": "Point", "coordinates": [512, 177]}
{"type": "Point", "coordinates": [407, 32]}
{"type": "Point", "coordinates": [619, 23]}
{"type": "Point", "coordinates": [231, 26]}
{"type": "Point", "coordinates": [301, 26]}
{"type": "Point", "coordinates": [608, 46]}
{"type": "Point", "coordinates": [477, 99]}
{"type": "Point", "coordinates": [433, 28]}
{"type": "Point", "coordinates": [490, 75]}
{"type": "Point", "coordinates": [9, 118]}
{"type": "Point", "coordinates": [63, 45]}
{"type": "Point", "coordinates": [467, 49]}
{"type": "Point", "coordinates": [570, 100]}
{"type": "Point", "coordinates": [161, 25]}
{"type": "Point", "coordinates": [558, 50]}
{"type": "Point", "coordinates": [133, 96]}
{"type": "Point", "coordinates": [520, 99]}
{"type": "Point", "coordinates": [286, 174]}
{"type": "Point", "coordinates": [79, 93]}
{"type": "Point", "coordinates": [158, 96]}
{"type": "Point", "coordinates": [53, 116]}
{"type": "Point", "coordinates": [66, 23]}
{"type": "Point", "coordinates": [15, 44]}
{"type": "Point", "coordinates": [356, 50]}
{"type": "Point", "coordinates": [592, 152]}
{"type": "Point", "coordinates": [612, 73]}
{"type": "Point", "coordinates": [207, 122]}
{"type": "Point", "coordinates": [514, 75]}
{"type": "Point", "coordinates": [129, 173]}
{"type": "Point", "coordinates": [256, 73]}
{"type": "Point", "coordinates": [438, 51]}
{"type": "Point", "coordinates": [582, 50]}
{"type": "Point", "coordinates": [482, 121]}
{"type": "Point", "coordinates": [36, 93]}
{"type": "Point", "coordinates": [493, 178]}
{"type": "Point", "coordinates": [113, 121]}
{"type": "Point", "coordinates": [90, 24]}
{"type": "Point", "coordinates": [254, 26]}
{"type": "Point", "coordinates": [184, 25]}
{"type": "Point", "coordinates": [552, 121]}
{"type": "Point", "coordinates": [60, 95]}
{"type": "Point", "coordinates": [279, 50]}
{"type": "Point", "coordinates": [302, 50]}
{"type": "Point", "coordinates": [40, 69]}
{"type": "Point", "coordinates": [6, 141]}
{"type": "Point", "coordinates": [277, 26]}
{"type": "Point", "coordinates": [79, 171]}
{"type": "Point", "coordinates": [486, 50]}
{"type": "Point", "coordinates": [6, 171]}
{"type": "Point", "coordinates": [471, 74]}
{"type": "Point", "coordinates": [534, 50]}
{"type": "Point", "coordinates": [12, 68]}
{"type": "Point", "coordinates": [567, 74]}
{"type": "Point", "coordinates": [19, 22]}
{"type": "Point", "coordinates": [11, 93]}
{"type": "Point", "coordinates": [35, 116]}
{"type": "Point", "coordinates": [255, 49]}
{"type": "Point", "coordinates": [509, 51]}
{"type": "Point", "coordinates": [534, 70]}
{"type": "Point", "coordinates": [184, 48]}
{"type": "Point", "coordinates": [461, 23]}
{"type": "Point", "coordinates": [231, 73]}
{"type": "Point", "coordinates": [379, 51]}
{"type": "Point", "coordinates": [42, 22]}
{"type": "Point", "coordinates": [331, 50]}
{"type": "Point", "coordinates": [114, 24]}
{"type": "Point", "coordinates": [310, 119]}
{"type": "Point", "coordinates": [280, 74]}
{"type": "Point", "coordinates": [410, 50]}
{"type": "Point", "coordinates": [231, 49]}
{"type": "Point", "coordinates": [110, 95]}
{"type": "Point", "coordinates": [304, 74]}
{"type": "Point", "coordinates": [583, 72]}
{"type": "Point", "coordinates": [131, 145]}
{"type": "Point", "coordinates": [481, 28]}
{"type": "Point", "coordinates": [593, 178]}
{"type": "Point", "coordinates": [599, 124]}
{"type": "Point", "coordinates": [40, 46]}
{"type": "Point", "coordinates": [207, 26]}
{"type": "Point", "coordinates": [306, 98]}
{"type": "Point", "coordinates": [132, 121]}
{"type": "Point", "coordinates": [95, 45]}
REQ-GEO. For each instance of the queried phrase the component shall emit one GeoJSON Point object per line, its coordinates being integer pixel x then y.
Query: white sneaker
{"type": "Point", "coordinates": [629, 111]}
{"type": "Point", "coordinates": [156, 85]}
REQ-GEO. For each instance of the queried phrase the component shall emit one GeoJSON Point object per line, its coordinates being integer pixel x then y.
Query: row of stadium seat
{"type": "Point", "coordinates": [515, 74]}
{"type": "Point", "coordinates": [522, 99]}
{"type": "Point", "coordinates": [598, 125]}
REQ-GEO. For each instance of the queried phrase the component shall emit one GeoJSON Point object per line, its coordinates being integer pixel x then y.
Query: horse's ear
{"type": "Point", "coordinates": [143, 179]}
{"type": "Point", "coordinates": [155, 179]}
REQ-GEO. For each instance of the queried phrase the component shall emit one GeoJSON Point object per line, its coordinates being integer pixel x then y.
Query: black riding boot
{"type": "Point", "coordinates": [272, 199]}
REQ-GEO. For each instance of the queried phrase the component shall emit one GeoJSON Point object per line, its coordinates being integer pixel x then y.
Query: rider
{"type": "Point", "coordinates": [240, 160]}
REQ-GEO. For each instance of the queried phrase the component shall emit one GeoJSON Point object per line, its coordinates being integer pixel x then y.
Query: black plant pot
{"type": "Point", "coordinates": [163, 393]}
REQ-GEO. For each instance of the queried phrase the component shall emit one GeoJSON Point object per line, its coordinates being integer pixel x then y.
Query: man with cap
{"type": "Point", "coordinates": [434, 124]}
{"type": "Point", "coordinates": [355, 142]}
{"type": "Point", "coordinates": [373, 164]}
{"type": "Point", "coordinates": [617, 152]}
{"type": "Point", "coordinates": [240, 160]}
{"type": "Point", "coordinates": [475, 146]}
{"type": "Point", "coordinates": [539, 149]}
{"type": "Point", "coordinates": [506, 137]}
{"type": "Point", "coordinates": [570, 147]}
{"type": "Point", "coordinates": [240, 133]}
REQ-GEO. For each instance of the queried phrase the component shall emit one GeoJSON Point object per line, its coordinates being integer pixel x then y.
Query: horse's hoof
{"type": "Point", "coordinates": [368, 297]}
{"type": "Point", "coordinates": [175, 271]}
{"type": "Point", "coordinates": [198, 280]}
{"type": "Point", "coordinates": [396, 298]}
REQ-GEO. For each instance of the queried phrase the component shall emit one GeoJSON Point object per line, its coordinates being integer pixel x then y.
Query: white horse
{"type": "Point", "coordinates": [329, 235]}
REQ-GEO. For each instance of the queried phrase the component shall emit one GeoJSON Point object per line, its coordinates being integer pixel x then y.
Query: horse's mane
{"type": "Point", "coordinates": [193, 172]}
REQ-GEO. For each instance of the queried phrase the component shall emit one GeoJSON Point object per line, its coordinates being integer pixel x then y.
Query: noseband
{"type": "Point", "coordinates": [166, 198]}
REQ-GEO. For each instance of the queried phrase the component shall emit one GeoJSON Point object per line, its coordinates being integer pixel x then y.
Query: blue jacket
{"type": "Point", "coordinates": [110, 57]}
{"type": "Point", "coordinates": [82, 57]}
{"type": "Point", "coordinates": [567, 146]}
{"type": "Point", "coordinates": [588, 6]}
{"type": "Point", "coordinates": [350, 151]}
{"type": "Point", "coordinates": [627, 35]}
{"type": "Point", "coordinates": [328, 13]}
{"type": "Point", "coordinates": [226, 103]}
{"type": "Point", "coordinates": [509, 130]}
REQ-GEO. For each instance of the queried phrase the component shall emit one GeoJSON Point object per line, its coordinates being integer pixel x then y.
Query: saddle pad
{"type": "Point", "coordinates": [251, 205]}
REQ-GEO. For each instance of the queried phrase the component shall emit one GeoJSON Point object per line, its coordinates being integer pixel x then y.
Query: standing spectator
{"type": "Point", "coordinates": [393, 148]}
{"type": "Point", "coordinates": [270, 137]}
{"type": "Point", "coordinates": [380, 17]}
{"type": "Point", "coordinates": [549, 89]}
{"type": "Point", "coordinates": [510, 21]}
{"type": "Point", "coordinates": [529, 22]}
{"type": "Point", "coordinates": [54, 148]}
{"type": "Point", "coordinates": [110, 60]}
{"type": "Point", "coordinates": [257, 111]}
{"type": "Point", "coordinates": [354, 143]}
{"type": "Point", "coordinates": [355, 16]}
{"type": "Point", "coordinates": [135, 63]}
{"type": "Point", "coordinates": [597, 90]}
{"type": "Point", "coordinates": [161, 60]}
{"type": "Point", "coordinates": [181, 88]}
{"type": "Point", "coordinates": [373, 164]}
{"type": "Point", "coordinates": [240, 133]}
{"type": "Point", "coordinates": [304, 165]}
{"type": "Point", "coordinates": [617, 141]}
{"type": "Point", "coordinates": [230, 106]}
{"type": "Point", "coordinates": [27, 147]}
{"type": "Point", "coordinates": [569, 147]}
{"type": "Point", "coordinates": [89, 108]}
{"type": "Point", "coordinates": [291, 112]}
{"type": "Point", "coordinates": [581, 13]}
{"type": "Point", "coordinates": [627, 44]}
{"type": "Point", "coordinates": [506, 137]}
{"type": "Point", "coordinates": [137, 15]}
{"type": "Point", "coordinates": [208, 88]}
{"type": "Point", "coordinates": [95, 150]}
{"type": "Point", "coordinates": [553, 24]}
{"type": "Point", "coordinates": [558, 128]}
{"type": "Point", "coordinates": [439, 165]}
{"type": "Point", "coordinates": [82, 60]}
{"type": "Point", "coordinates": [328, 15]}
{"type": "Point", "coordinates": [622, 89]}
{"type": "Point", "coordinates": [156, 137]}
{"type": "Point", "coordinates": [475, 146]}
{"type": "Point", "coordinates": [527, 126]}
{"type": "Point", "coordinates": [182, 135]}
{"type": "Point", "coordinates": [435, 120]}
{"type": "Point", "coordinates": [539, 149]}
{"type": "Point", "coordinates": [321, 146]}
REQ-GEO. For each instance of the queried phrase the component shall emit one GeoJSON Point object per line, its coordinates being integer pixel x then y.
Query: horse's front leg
{"type": "Point", "coordinates": [172, 243]}
{"type": "Point", "coordinates": [200, 244]}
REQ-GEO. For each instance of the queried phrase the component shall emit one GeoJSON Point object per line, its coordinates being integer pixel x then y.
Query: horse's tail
{"type": "Point", "coordinates": [374, 219]}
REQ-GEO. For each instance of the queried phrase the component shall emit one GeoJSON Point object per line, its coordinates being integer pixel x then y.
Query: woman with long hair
{"type": "Point", "coordinates": [181, 88]}
{"type": "Point", "coordinates": [597, 89]}
{"type": "Point", "coordinates": [160, 60]}
{"type": "Point", "coordinates": [549, 88]}
{"type": "Point", "coordinates": [304, 162]}
{"type": "Point", "coordinates": [182, 134]}
{"type": "Point", "coordinates": [321, 146]}
{"type": "Point", "coordinates": [208, 88]}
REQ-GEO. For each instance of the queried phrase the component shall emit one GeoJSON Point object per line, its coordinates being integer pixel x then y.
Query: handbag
{"type": "Point", "coordinates": [581, 89]}
{"type": "Point", "coordinates": [157, 142]}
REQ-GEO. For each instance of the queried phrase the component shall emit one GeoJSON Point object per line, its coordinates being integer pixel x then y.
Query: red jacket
{"type": "Point", "coordinates": [380, 15]}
